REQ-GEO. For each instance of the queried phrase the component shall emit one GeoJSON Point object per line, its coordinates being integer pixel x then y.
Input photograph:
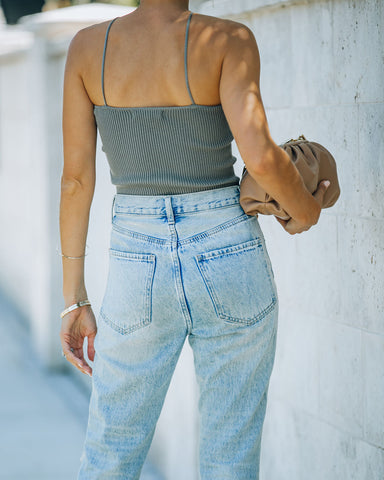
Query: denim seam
{"type": "Point", "coordinates": [119, 328]}
{"type": "Point", "coordinates": [199, 210]}
{"type": "Point", "coordinates": [229, 318]}
{"type": "Point", "coordinates": [120, 209]}
{"type": "Point", "coordinates": [230, 202]}
{"type": "Point", "coordinates": [253, 320]}
{"type": "Point", "coordinates": [212, 231]}
{"type": "Point", "coordinates": [130, 211]}
{"type": "Point", "coordinates": [150, 261]}
{"type": "Point", "coordinates": [141, 257]}
{"type": "Point", "coordinates": [268, 260]}
{"type": "Point", "coordinates": [140, 236]}
{"type": "Point", "coordinates": [218, 253]}
{"type": "Point", "coordinates": [185, 241]}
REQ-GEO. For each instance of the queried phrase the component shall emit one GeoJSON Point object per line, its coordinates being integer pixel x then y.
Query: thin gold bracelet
{"type": "Point", "coordinates": [67, 256]}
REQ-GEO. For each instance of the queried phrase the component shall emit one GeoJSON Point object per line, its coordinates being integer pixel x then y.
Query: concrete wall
{"type": "Point", "coordinates": [322, 76]}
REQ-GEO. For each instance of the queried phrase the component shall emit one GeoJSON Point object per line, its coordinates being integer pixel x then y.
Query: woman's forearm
{"type": "Point", "coordinates": [278, 176]}
{"type": "Point", "coordinates": [75, 204]}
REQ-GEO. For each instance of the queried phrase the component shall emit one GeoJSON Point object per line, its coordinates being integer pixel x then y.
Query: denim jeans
{"type": "Point", "coordinates": [182, 266]}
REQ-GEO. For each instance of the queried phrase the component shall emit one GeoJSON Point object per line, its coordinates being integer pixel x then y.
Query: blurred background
{"type": "Point", "coordinates": [322, 76]}
{"type": "Point", "coordinates": [13, 10]}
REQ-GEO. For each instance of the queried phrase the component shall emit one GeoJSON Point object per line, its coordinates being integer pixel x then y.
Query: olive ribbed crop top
{"type": "Point", "coordinates": [166, 150]}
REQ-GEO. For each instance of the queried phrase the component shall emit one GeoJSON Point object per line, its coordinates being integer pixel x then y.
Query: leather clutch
{"type": "Point", "coordinates": [314, 163]}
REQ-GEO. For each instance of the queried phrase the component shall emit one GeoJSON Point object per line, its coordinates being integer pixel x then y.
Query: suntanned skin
{"type": "Point", "coordinates": [145, 67]}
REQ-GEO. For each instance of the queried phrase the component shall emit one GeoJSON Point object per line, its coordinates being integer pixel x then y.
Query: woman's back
{"type": "Point", "coordinates": [145, 66]}
{"type": "Point", "coordinates": [160, 149]}
{"type": "Point", "coordinates": [144, 63]}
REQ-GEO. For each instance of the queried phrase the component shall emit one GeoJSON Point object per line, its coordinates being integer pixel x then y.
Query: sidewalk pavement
{"type": "Point", "coordinates": [43, 414]}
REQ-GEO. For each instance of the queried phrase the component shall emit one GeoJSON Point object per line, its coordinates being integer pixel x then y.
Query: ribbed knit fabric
{"type": "Point", "coordinates": [166, 150]}
{"type": "Point", "coordinates": [155, 151]}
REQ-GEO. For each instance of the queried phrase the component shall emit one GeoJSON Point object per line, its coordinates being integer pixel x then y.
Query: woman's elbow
{"type": "Point", "coordinates": [263, 163]}
{"type": "Point", "coordinates": [74, 185]}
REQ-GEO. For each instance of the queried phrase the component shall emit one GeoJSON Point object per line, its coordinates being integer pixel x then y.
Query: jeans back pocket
{"type": "Point", "coordinates": [239, 282]}
{"type": "Point", "coordinates": [127, 301]}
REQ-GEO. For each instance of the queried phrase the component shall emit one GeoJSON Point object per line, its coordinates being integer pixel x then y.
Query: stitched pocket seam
{"type": "Point", "coordinates": [201, 259]}
{"type": "Point", "coordinates": [150, 260]}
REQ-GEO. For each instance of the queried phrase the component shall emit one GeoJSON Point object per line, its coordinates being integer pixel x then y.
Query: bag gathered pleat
{"type": "Point", "coordinates": [314, 163]}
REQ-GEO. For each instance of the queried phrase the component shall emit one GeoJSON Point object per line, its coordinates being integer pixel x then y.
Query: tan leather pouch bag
{"type": "Point", "coordinates": [314, 163]}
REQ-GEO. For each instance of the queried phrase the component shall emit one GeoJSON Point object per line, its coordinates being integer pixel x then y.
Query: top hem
{"type": "Point", "coordinates": [121, 190]}
{"type": "Point", "coordinates": [157, 107]}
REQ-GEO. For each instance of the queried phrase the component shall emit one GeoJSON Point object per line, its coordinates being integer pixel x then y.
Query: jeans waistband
{"type": "Point", "coordinates": [181, 203]}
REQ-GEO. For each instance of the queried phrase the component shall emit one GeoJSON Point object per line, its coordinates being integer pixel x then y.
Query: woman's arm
{"type": "Point", "coordinates": [266, 162]}
{"type": "Point", "coordinates": [77, 189]}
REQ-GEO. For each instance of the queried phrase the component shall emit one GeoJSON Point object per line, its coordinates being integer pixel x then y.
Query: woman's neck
{"type": "Point", "coordinates": [162, 10]}
{"type": "Point", "coordinates": [164, 4]}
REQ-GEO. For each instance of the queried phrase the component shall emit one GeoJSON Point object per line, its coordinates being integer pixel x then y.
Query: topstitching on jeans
{"type": "Point", "coordinates": [140, 236]}
{"type": "Point", "coordinates": [193, 238]}
{"type": "Point", "coordinates": [203, 206]}
{"type": "Point", "coordinates": [211, 231]}
{"type": "Point", "coordinates": [115, 309]}
{"type": "Point", "coordinates": [121, 208]}
{"type": "Point", "coordinates": [211, 265]}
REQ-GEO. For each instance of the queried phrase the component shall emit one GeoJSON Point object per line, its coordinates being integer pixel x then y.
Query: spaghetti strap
{"type": "Point", "coordinates": [185, 57]}
{"type": "Point", "coordinates": [102, 65]}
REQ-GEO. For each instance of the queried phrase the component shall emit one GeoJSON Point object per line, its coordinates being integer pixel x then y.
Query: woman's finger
{"type": "Point", "coordinates": [320, 192]}
{"type": "Point", "coordinates": [91, 346]}
{"type": "Point", "coordinates": [76, 357]}
{"type": "Point", "coordinates": [281, 221]}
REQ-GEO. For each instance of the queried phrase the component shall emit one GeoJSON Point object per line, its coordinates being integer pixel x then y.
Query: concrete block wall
{"type": "Point", "coordinates": [322, 75]}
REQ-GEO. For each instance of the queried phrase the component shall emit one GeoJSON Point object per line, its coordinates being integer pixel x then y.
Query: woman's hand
{"type": "Point", "coordinates": [292, 225]}
{"type": "Point", "coordinates": [75, 326]}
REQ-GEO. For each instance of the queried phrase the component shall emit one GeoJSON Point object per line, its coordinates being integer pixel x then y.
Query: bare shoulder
{"type": "Point", "coordinates": [229, 33]}
{"type": "Point", "coordinates": [81, 49]}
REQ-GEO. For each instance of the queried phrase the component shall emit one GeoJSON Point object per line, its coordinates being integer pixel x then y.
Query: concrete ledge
{"type": "Point", "coordinates": [224, 8]}
{"type": "Point", "coordinates": [66, 21]}
{"type": "Point", "coordinates": [14, 42]}
{"type": "Point", "coordinates": [56, 25]}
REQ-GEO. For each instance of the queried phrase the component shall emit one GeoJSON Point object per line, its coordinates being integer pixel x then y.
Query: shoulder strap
{"type": "Point", "coordinates": [102, 65]}
{"type": "Point", "coordinates": [185, 56]}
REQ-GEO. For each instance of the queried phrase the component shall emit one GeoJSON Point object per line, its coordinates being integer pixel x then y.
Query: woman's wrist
{"type": "Point", "coordinates": [74, 306]}
{"type": "Point", "coordinates": [73, 284]}
{"type": "Point", "coordinates": [313, 212]}
{"type": "Point", "coordinates": [74, 297]}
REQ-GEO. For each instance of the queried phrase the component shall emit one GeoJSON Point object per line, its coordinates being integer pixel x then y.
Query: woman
{"type": "Point", "coordinates": [167, 90]}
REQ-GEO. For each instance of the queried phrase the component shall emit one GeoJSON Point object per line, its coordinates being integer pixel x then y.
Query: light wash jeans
{"type": "Point", "coordinates": [189, 265]}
